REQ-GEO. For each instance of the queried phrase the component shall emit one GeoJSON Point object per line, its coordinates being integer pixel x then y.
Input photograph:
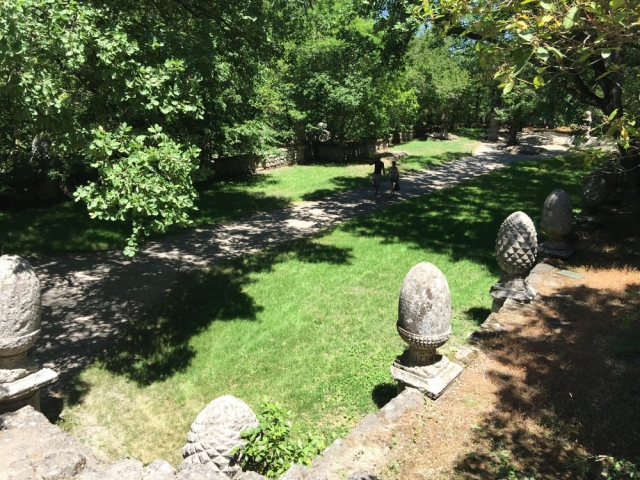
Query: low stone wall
{"type": "Point", "coordinates": [402, 137]}
{"type": "Point", "coordinates": [336, 152]}
{"type": "Point", "coordinates": [243, 165]}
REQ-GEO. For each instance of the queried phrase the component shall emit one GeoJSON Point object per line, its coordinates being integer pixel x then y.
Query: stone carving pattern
{"type": "Point", "coordinates": [516, 244]}
{"type": "Point", "coordinates": [215, 432]}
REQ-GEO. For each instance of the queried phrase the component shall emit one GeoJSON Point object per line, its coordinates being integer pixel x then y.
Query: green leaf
{"type": "Point", "coordinates": [605, 52]}
{"type": "Point", "coordinates": [507, 88]}
{"type": "Point", "coordinates": [571, 18]}
{"type": "Point", "coordinates": [526, 37]}
{"type": "Point", "coordinates": [615, 4]}
{"type": "Point", "coordinates": [613, 114]}
{"type": "Point", "coordinates": [538, 81]}
{"type": "Point", "coordinates": [542, 53]}
{"type": "Point", "coordinates": [546, 5]}
{"type": "Point", "coordinates": [556, 52]}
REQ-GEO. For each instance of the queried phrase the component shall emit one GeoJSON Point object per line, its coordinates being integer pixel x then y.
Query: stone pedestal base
{"type": "Point", "coordinates": [431, 380]}
{"type": "Point", "coordinates": [512, 286]}
{"type": "Point", "coordinates": [25, 391]}
{"type": "Point", "coordinates": [556, 247]}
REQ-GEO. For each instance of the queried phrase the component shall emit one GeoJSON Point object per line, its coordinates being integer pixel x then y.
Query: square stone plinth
{"type": "Point", "coordinates": [431, 380]}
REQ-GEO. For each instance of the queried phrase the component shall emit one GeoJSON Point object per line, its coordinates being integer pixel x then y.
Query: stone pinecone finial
{"type": "Point", "coordinates": [516, 244]}
{"type": "Point", "coordinates": [216, 432]}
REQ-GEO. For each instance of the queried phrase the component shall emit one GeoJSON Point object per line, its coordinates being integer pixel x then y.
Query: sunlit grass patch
{"type": "Point", "coordinates": [309, 324]}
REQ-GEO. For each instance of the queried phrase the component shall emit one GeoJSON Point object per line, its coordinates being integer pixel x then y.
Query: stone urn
{"type": "Point", "coordinates": [557, 216]}
{"type": "Point", "coordinates": [424, 323]}
{"type": "Point", "coordinates": [20, 376]}
{"type": "Point", "coordinates": [516, 248]}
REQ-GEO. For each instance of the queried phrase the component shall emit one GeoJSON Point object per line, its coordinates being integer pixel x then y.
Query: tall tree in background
{"type": "Point", "coordinates": [438, 74]}
{"type": "Point", "coordinates": [589, 47]}
{"type": "Point", "coordinates": [128, 92]}
{"type": "Point", "coordinates": [338, 76]}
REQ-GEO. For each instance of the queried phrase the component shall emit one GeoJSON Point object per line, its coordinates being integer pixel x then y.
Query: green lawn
{"type": "Point", "coordinates": [310, 324]}
{"type": "Point", "coordinates": [66, 227]}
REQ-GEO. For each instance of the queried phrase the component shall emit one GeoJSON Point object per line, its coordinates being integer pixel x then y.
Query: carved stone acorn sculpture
{"type": "Point", "coordinates": [20, 375]}
{"type": "Point", "coordinates": [516, 248]}
{"type": "Point", "coordinates": [557, 216]}
{"type": "Point", "coordinates": [424, 323]}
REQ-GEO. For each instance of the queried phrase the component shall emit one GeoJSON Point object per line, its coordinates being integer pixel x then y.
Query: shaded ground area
{"type": "Point", "coordinates": [556, 393]}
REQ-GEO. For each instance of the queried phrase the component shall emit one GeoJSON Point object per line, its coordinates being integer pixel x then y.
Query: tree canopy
{"type": "Point", "coordinates": [125, 101]}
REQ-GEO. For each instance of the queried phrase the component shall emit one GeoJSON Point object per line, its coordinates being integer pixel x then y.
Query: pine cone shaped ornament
{"type": "Point", "coordinates": [594, 190]}
{"type": "Point", "coordinates": [516, 245]}
{"type": "Point", "coordinates": [557, 216]}
{"type": "Point", "coordinates": [516, 248]}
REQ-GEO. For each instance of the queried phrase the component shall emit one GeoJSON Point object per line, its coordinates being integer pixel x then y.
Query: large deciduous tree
{"type": "Point", "coordinates": [438, 73]}
{"type": "Point", "coordinates": [339, 76]}
{"type": "Point", "coordinates": [590, 47]}
{"type": "Point", "coordinates": [127, 91]}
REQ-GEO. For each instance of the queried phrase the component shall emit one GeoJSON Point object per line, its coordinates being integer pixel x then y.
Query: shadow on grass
{"type": "Point", "coordinates": [67, 227]}
{"type": "Point", "coordinates": [218, 205]}
{"type": "Point", "coordinates": [463, 222]}
{"type": "Point", "coordinates": [156, 346]}
{"type": "Point", "coordinates": [579, 394]}
{"type": "Point", "coordinates": [63, 227]}
{"type": "Point", "coordinates": [426, 163]}
{"type": "Point", "coordinates": [478, 315]}
{"type": "Point", "coordinates": [383, 393]}
{"type": "Point", "coordinates": [342, 184]}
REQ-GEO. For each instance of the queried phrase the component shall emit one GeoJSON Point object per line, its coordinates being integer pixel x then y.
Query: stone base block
{"type": "Point", "coordinates": [31, 400]}
{"type": "Point", "coordinates": [556, 248]}
{"type": "Point", "coordinates": [517, 288]}
{"type": "Point", "coordinates": [431, 380]}
{"type": "Point", "coordinates": [15, 367]}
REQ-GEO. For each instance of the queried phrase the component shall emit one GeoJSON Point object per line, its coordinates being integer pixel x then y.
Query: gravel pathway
{"type": "Point", "coordinates": [88, 298]}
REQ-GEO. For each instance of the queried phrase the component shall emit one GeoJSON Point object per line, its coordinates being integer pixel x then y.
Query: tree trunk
{"type": "Point", "coordinates": [444, 120]}
{"type": "Point", "coordinates": [494, 127]}
{"type": "Point", "coordinates": [513, 132]}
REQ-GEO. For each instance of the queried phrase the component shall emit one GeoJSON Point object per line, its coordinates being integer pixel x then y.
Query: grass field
{"type": "Point", "coordinates": [66, 227]}
{"type": "Point", "coordinates": [310, 324]}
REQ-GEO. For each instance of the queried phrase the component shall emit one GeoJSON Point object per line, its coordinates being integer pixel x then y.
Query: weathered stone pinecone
{"type": "Point", "coordinates": [595, 189]}
{"type": "Point", "coordinates": [216, 432]}
{"type": "Point", "coordinates": [557, 214]}
{"type": "Point", "coordinates": [516, 244]}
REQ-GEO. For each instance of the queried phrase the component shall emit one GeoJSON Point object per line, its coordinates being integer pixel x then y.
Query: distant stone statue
{"type": "Point", "coordinates": [516, 248]}
{"type": "Point", "coordinates": [588, 119]}
{"type": "Point", "coordinates": [20, 376]}
{"type": "Point", "coordinates": [557, 216]}
{"type": "Point", "coordinates": [216, 432]}
{"type": "Point", "coordinates": [424, 323]}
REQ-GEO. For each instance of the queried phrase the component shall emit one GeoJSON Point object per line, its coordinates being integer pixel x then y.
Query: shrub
{"type": "Point", "coordinates": [275, 444]}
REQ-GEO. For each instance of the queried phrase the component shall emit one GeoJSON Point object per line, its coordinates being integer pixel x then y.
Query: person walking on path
{"type": "Point", "coordinates": [394, 176]}
{"type": "Point", "coordinates": [378, 171]}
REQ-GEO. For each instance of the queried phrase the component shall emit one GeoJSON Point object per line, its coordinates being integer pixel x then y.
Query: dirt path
{"type": "Point", "coordinates": [88, 298]}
